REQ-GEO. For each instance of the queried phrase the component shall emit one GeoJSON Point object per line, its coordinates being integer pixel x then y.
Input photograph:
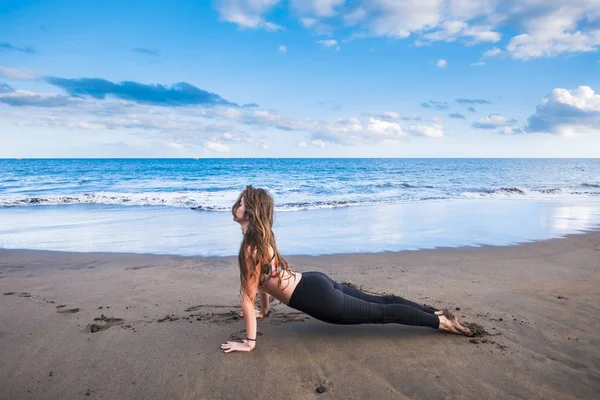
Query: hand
{"type": "Point", "coordinates": [237, 346]}
{"type": "Point", "coordinates": [259, 314]}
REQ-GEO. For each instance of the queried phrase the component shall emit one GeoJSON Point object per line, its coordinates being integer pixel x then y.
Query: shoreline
{"type": "Point", "coordinates": [567, 236]}
{"type": "Point", "coordinates": [150, 326]}
{"type": "Point", "coordinates": [343, 230]}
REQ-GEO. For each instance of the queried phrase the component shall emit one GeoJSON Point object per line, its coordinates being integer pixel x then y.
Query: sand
{"type": "Point", "coordinates": [123, 326]}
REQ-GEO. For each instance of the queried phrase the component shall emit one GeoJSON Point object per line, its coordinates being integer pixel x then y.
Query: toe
{"type": "Point", "coordinates": [465, 331]}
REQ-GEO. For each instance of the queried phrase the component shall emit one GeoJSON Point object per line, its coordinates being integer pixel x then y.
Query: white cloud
{"type": "Point", "coordinates": [510, 130]}
{"type": "Point", "coordinates": [478, 64]}
{"type": "Point", "coordinates": [550, 44]}
{"type": "Point", "coordinates": [191, 125]}
{"type": "Point", "coordinates": [492, 52]}
{"type": "Point", "coordinates": [381, 128]}
{"type": "Point", "coordinates": [176, 146]}
{"type": "Point", "coordinates": [16, 74]}
{"type": "Point", "coordinates": [567, 113]}
{"type": "Point", "coordinates": [238, 137]}
{"type": "Point", "coordinates": [308, 22]}
{"type": "Point", "coordinates": [331, 43]}
{"type": "Point", "coordinates": [216, 146]}
{"type": "Point", "coordinates": [390, 115]}
{"type": "Point", "coordinates": [448, 30]}
{"type": "Point", "coordinates": [400, 18]}
{"type": "Point", "coordinates": [480, 34]}
{"type": "Point", "coordinates": [354, 17]}
{"type": "Point", "coordinates": [553, 28]}
{"type": "Point", "coordinates": [26, 98]}
{"type": "Point", "coordinates": [468, 9]}
{"type": "Point", "coordinates": [271, 27]}
{"type": "Point", "coordinates": [394, 116]}
{"type": "Point", "coordinates": [282, 49]}
{"type": "Point", "coordinates": [320, 8]}
{"type": "Point", "coordinates": [247, 13]}
{"type": "Point", "coordinates": [434, 131]}
{"type": "Point", "coordinates": [442, 63]}
{"type": "Point", "coordinates": [493, 121]}
{"type": "Point", "coordinates": [353, 131]}
{"type": "Point", "coordinates": [90, 126]}
{"type": "Point", "coordinates": [313, 143]}
{"type": "Point", "coordinates": [316, 25]}
{"type": "Point", "coordinates": [542, 28]}
{"type": "Point", "coordinates": [451, 30]}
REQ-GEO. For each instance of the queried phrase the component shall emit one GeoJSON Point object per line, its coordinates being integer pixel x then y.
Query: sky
{"type": "Point", "coordinates": [299, 78]}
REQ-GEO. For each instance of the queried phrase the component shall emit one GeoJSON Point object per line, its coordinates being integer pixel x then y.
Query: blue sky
{"type": "Point", "coordinates": [300, 78]}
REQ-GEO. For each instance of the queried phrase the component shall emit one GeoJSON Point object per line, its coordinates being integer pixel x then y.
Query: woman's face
{"type": "Point", "coordinates": [239, 213]}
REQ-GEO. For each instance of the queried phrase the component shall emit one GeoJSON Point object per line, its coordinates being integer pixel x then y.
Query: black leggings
{"type": "Point", "coordinates": [327, 300]}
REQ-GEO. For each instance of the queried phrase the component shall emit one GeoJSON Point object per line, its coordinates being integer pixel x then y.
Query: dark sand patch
{"type": "Point", "coordinates": [201, 306]}
{"type": "Point", "coordinates": [171, 317]}
{"type": "Point", "coordinates": [68, 311]}
{"type": "Point", "coordinates": [477, 329]}
{"type": "Point", "coordinates": [22, 294]}
{"type": "Point", "coordinates": [284, 318]}
{"type": "Point", "coordinates": [220, 318]}
{"type": "Point", "coordinates": [108, 322]}
{"type": "Point", "coordinates": [241, 335]}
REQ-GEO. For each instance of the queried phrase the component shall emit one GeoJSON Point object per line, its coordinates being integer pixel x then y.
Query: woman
{"type": "Point", "coordinates": [263, 269]}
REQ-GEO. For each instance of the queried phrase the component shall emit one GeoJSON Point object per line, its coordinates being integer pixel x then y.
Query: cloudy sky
{"type": "Point", "coordinates": [300, 78]}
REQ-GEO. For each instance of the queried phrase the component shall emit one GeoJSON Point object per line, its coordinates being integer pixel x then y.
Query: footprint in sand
{"type": "Point", "coordinates": [241, 335]}
{"type": "Point", "coordinates": [67, 310]}
{"type": "Point", "coordinates": [201, 306]}
{"type": "Point", "coordinates": [107, 323]}
{"type": "Point", "coordinates": [214, 317]}
{"type": "Point", "coordinates": [23, 294]}
{"type": "Point", "coordinates": [232, 316]}
{"type": "Point", "coordinates": [171, 317]}
{"type": "Point", "coordinates": [284, 318]}
{"type": "Point", "coordinates": [218, 318]}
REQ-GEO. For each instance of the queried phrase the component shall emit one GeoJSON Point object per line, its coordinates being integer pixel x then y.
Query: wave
{"type": "Point", "coordinates": [210, 200]}
{"type": "Point", "coordinates": [504, 192]}
{"type": "Point", "coordinates": [178, 200]}
{"type": "Point", "coordinates": [206, 201]}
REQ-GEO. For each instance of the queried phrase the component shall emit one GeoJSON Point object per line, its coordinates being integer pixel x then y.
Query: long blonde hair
{"type": "Point", "coordinates": [254, 249]}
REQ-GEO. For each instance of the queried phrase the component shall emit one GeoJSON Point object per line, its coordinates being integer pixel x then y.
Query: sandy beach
{"type": "Point", "coordinates": [121, 326]}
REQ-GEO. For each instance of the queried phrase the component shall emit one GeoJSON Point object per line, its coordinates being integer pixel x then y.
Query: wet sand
{"type": "Point", "coordinates": [122, 326]}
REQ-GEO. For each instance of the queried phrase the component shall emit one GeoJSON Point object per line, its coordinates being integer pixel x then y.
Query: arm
{"type": "Point", "coordinates": [249, 316]}
{"type": "Point", "coordinates": [249, 313]}
{"type": "Point", "coordinates": [264, 302]}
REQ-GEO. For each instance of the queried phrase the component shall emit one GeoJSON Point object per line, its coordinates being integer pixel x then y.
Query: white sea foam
{"type": "Point", "coordinates": [286, 200]}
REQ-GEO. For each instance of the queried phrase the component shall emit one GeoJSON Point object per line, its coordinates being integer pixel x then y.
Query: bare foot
{"type": "Point", "coordinates": [445, 312]}
{"type": "Point", "coordinates": [449, 323]}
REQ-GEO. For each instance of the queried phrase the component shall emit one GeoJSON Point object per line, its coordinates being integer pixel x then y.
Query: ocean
{"type": "Point", "coordinates": [323, 206]}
